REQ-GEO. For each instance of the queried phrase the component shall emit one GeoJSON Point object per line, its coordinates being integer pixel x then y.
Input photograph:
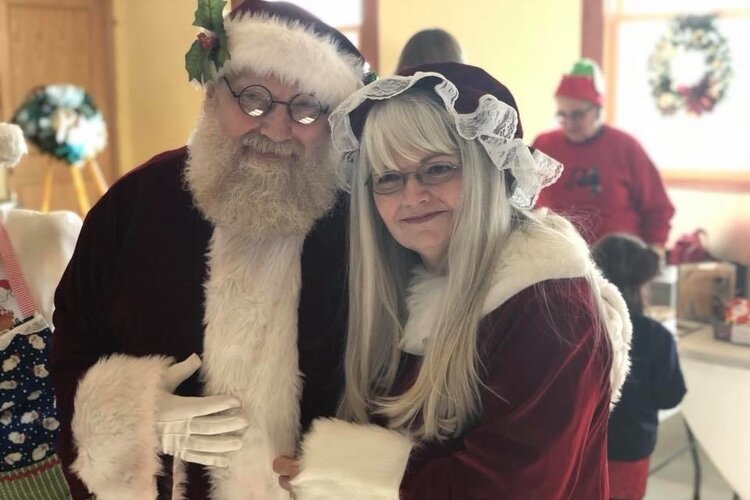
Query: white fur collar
{"type": "Point", "coordinates": [250, 352]}
{"type": "Point", "coordinates": [529, 257]}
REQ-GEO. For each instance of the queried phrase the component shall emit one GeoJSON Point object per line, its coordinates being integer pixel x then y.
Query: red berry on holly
{"type": "Point", "coordinates": [206, 41]}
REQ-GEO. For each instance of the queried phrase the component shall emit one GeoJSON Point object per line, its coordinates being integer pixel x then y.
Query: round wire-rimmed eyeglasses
{"type": "Point", "coordinates": [429, 174]}
{"type": "Point", "coordinates": [257, 100]}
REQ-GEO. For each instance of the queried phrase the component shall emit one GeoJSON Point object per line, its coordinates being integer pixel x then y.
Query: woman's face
{"type": "Point", "coordinates": [419, 216]}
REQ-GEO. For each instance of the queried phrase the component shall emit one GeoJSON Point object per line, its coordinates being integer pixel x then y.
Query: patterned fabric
{"type": "Point", "coordinates": [28, 417]}
{"type": "Point", "coordinates": [41, 481]}
{"type": "Point", "coordinates": [29, 468]}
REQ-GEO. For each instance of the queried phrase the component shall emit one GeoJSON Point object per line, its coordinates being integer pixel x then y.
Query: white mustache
{"type": "Point", "coordinates": [261, 144]}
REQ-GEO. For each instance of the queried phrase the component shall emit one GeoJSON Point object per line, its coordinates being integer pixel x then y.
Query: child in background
{"type": "Point", "coordinates": [655, 381]}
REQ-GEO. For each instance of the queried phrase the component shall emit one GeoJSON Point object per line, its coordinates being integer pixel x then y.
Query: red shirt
{"type": "Point", "coordinates": [609, 185]}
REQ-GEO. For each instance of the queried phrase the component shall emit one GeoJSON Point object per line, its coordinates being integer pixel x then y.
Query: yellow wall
{"type": "Point", "coordinates": [156, 105]}
{"type": "Point", "coordinates": [528, 45]}
{"type": "Point", "coordinates": [525, 44]}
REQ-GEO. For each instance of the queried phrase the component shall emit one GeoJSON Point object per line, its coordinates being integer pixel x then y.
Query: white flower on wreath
{"type": "Point", "coordinates": [63, 121]}
{"type": "Point", "coordinates": [91, 134]}
{"type": "Point", "coordinates": [68, 96]}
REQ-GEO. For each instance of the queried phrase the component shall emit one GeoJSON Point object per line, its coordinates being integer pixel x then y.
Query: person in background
{"type": "Point", "coordinates": [430, 46]}
{"type": "Point", "coordinates": [232, 248]}
{"type": "Point", "coordinates": [655, 381]}
{"type": "Point", "coordinates": [609, 183]}
{"type": "Point", "coordinates": [481, 335]}
{"type": "Point", "coordinates": [34, 250]}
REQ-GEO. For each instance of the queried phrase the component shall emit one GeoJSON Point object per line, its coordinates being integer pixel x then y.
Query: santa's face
{"type": "Point", "coordinates": [268, 175]}
{"type": "Point", "coordinates": [276, 124]}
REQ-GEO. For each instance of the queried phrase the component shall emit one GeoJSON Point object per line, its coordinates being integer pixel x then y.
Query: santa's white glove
{"type": "Point", "coordinates": [188, 427]}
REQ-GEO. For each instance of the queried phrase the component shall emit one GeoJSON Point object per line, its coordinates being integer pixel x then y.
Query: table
{"type": "Point", "coordinates": [717, 404]}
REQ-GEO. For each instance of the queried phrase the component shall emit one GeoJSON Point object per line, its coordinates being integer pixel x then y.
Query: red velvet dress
{"type": "Point", "coordinates": [550, 359]}
{"type": "Point", "coordinates": [543, 433]}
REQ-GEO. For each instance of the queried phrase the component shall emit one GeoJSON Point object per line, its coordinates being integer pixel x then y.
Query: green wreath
{"type": "Point", "coordinates": [63, 121]}
{"type": "Point", "coordinates": [690, 33]}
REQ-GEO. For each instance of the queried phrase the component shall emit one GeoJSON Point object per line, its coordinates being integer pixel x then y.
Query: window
{"type": "Point", "coordinates": [682, 101]}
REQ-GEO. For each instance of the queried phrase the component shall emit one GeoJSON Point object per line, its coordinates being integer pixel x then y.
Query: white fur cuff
{"type": "Point", "coordinates": [341, 460]}
{"type": "Point", "coordinates": [114, 427]}
{"type": "Point", "coordinates": [296, 54]}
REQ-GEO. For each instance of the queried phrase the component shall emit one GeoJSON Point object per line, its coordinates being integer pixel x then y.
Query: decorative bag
{"type": "Point", "coordinates": [29, 467]}
{"type": "Point", "coordinates": [689, 248]}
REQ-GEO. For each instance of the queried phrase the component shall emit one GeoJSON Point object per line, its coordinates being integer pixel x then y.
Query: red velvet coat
{"type": "Point", "coordinates": [543, 434]}
{"type": "Point", "coordinates": [550, 364]}
{"type": "Point", "coordinates": [135, 286]}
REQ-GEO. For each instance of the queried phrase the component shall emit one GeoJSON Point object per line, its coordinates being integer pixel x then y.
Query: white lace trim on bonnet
{"type": "Point", "coordinates": [493, 124]}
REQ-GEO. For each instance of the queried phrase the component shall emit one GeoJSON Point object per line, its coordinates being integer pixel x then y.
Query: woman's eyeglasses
{"type": "Point", "coordinates": [429, 174]}
{"type": "Point", "coordinates": [256, 100]}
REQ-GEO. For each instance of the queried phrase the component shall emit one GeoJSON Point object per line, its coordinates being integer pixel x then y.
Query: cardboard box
{"type": "Point", "coordinates": [703, 291]}
{"type": "Point", "coordinates": [736, 334]}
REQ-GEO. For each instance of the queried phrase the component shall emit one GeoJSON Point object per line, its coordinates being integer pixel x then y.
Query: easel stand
{"type": "Point", "coordinates": [78, 183]}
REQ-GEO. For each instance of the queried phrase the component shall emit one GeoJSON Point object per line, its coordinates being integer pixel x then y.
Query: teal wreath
{"type": "Point", "coordinates": [696, 33]}
{"type": "Point", "coordinates": [63, 121]}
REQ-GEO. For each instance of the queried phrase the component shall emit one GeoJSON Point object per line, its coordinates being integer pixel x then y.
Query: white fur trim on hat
{"type": "Point", "coordinates": [341, 461]}
{"type": "Point", "coordinates": [293, 53]}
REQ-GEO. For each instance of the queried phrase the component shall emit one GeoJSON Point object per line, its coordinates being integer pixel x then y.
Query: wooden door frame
{"type": "Point", "coordinates": [592, 30]}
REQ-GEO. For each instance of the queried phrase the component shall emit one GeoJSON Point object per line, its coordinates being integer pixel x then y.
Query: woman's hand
{"type": "Point", "coordinates": [287, 468]}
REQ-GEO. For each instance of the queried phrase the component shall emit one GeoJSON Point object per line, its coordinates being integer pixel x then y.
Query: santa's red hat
{"type": "Point", "coordinates": [584, 82]}
{"type": "Point", "coordinates": [285, 41]}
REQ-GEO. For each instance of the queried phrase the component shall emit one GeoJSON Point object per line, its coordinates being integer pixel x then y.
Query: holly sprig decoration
{"type": "Point", "coordinates": [209, 52]}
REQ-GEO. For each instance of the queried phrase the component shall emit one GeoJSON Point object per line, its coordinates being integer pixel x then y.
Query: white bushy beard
{"type": "Point", "coordinates": [235, 187]}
